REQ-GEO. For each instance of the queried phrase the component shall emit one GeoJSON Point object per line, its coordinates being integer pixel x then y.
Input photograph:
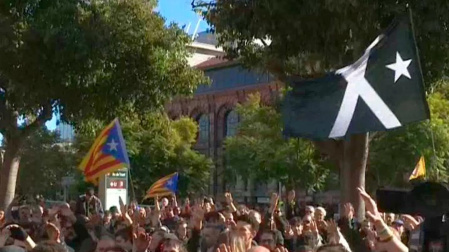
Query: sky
{"type": "Point", "coordinates": [178, 11]}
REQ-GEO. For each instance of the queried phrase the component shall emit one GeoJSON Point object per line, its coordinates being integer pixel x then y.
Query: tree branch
{"type": "Point", "coordinates": [45, 114]}
{"type": "Point", "coordinates": [331, 148]}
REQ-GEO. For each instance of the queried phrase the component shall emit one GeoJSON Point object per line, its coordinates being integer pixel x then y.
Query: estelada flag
{"type": "Point", "coordinates": [164, 186]}
{"type": "Point", "coordinates": [107, 154]}
{"type": "Point", "coordinates": [420, 169]}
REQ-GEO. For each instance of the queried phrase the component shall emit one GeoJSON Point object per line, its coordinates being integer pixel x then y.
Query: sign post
{"type": "Point", "coordinates": [115, 186]}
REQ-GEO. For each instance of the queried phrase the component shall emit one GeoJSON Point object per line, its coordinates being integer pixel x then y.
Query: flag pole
{"type": "Point", "coordinates": [133, 194]}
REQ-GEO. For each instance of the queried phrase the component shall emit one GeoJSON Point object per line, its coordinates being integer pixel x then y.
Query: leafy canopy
{"type": "Point", "coordinates": [260, 152]}
{"type": "Point", "coordinates": [307, 38]}
{"type": "Point", "coordinates": [393, 155]}
{"type": "Point", "coordinates": [88, 59]}
{"type": "Point", "coordinates": [45, 160]}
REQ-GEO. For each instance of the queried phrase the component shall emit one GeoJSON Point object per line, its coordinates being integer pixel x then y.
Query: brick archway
{"type": "Point", "coordinates": [221, 120]}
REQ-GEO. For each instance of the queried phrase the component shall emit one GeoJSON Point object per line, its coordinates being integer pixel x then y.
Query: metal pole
{"type": "Point", "coordinates": [133, 195]}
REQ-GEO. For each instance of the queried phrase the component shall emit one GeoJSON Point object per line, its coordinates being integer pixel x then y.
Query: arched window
{"type": "Point", "coordinates": [232, 121]}
{"type": "Point", "coordinates": [203, 133]}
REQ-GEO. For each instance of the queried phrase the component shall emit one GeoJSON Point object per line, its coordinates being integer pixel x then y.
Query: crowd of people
{"type": "Point", "coordinates": [202, 226]}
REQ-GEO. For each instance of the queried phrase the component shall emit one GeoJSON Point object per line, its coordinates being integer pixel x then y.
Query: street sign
{"type": "Point", "coordinates": [116, 186]}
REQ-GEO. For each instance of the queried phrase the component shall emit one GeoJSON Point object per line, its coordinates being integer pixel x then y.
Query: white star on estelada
{"type": "Point", "coordinates": [112, 145]}
{"type": "Point", "coordinates": [400, 67]}
{"type": "Point", "coordinates": [169, 183]}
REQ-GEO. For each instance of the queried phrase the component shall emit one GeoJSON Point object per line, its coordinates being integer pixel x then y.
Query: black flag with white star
{"type": "Point", "coordinates": [382, 90]}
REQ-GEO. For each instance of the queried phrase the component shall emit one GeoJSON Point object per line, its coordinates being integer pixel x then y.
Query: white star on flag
{"type": "Point", "coordinates": [400, 67]}
{"type": "Point", "coordinates": [169, 183]}
{"type": "Point", "coordinates": [112, 145]}
{"type": "Point", "coordinates": [359, 87]}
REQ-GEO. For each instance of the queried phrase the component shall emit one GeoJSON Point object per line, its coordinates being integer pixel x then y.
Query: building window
{"type": "Point", "coordinates": [232, 121]}
{"type": "Point", "coordinates": [203, 133]}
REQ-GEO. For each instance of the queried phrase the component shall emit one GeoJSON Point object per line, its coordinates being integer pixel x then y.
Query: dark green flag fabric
{"type": "Point", "coordinates": [382, 90]}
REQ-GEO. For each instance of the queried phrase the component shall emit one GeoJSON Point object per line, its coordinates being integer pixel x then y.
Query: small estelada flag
{"type": "Point", "coordinates": [107, 154]}
{"type": "Point", "coordinates": [420, 169]}
{"type": "Point", "coordinates": [163, 187]}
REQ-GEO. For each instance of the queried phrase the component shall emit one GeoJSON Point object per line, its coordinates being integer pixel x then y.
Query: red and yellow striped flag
{"type": "Point", "coordinates": [164, 186]}
{"type": "Point", "coordinates": [107, 154]}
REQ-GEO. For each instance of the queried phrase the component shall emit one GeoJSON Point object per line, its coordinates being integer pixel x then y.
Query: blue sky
{"type": "Point", "coordinates": [178, 11]}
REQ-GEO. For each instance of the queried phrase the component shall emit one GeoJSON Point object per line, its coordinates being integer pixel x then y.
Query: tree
{"type": "Point", "coordinates": [44, 161]}
{"type": "Point", "coordinates": [157, 146]}
{"type": "Point", "coordinates": [260, 152]}
{"type": "Point", "coordinates": [83, 59]}
{"type": "Point", "coordinates": [394, 154]}
{"type": "Point", "coordinates": [308, 38]}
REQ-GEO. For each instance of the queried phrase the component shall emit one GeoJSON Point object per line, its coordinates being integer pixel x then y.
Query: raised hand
{"type": "Point", "coordinates": [228, 197]}
{"type": "Point", "coordinates": [347, 210]}
{"type": "Point", "coordinates": [314, 227]}
{"type": "Point", "coordinates": [370, 205]}
{"type": "Point", "coordinates": [332, 232]}
{"type": "Point", "coordinates": [141, 241]}
{"type": "Point", "coordinates": [198, 213]}
{"type": "Point", "coordinates": [331, 227]}
{"type": "Point", "coordinates": [123, 209]}
{"type": "Point", "coordinates": [280, 249]}
{"type": "Point", "coordinates": [410, 223]}
{"type": "Point", "coordinates": [223, 248]}
{"type": "Point", "coordinates": [274, 202]}
{"type": "Point", "coordinates": [289, 234]}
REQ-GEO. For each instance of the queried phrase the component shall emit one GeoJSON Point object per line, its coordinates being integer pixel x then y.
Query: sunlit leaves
{"type": "Point", "coordinates": [308, 38]}
{"type": "Point", "coordinates": [393, 155]}
{"type": "Point", "coordinates": [260, 152]}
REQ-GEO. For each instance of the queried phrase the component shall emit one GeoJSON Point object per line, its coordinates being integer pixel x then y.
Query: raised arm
{"type": "Point", "coordinates": [387, 240]}
{"type": "Point", "coordinates": [230, 202]}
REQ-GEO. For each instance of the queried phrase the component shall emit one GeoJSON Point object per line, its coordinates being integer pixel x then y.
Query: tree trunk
{"type": "Point", "coordinates": [9, 171]}
{"type": "Point", "coordinates": [352, 172]}
{"type": "Point", "coordinates": [350, 157]}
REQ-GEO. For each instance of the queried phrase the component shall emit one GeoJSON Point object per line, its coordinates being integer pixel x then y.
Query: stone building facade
{"type": "Point", "coordinates": [213, 107]}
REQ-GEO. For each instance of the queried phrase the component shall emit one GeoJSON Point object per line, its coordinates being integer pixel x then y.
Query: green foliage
{"type": "Point", "coordinates": [84, 60]}
{"type": "Point", "coordinates": [44, 162]}
{"type": "Point", "coordinates": [157, 146]}
{"type": "Point", "coordinates": [89, 59]}
{"type": "Point", "coordinates": [393, 155]}
{"type": "Point", "coordinates": [260, 152]}
{"type": "Point", "coordinates": [311, 37]}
